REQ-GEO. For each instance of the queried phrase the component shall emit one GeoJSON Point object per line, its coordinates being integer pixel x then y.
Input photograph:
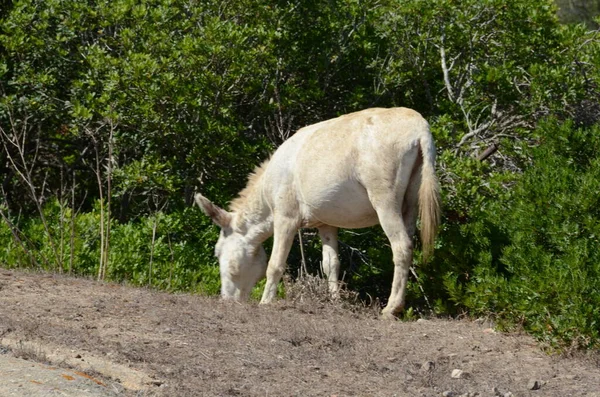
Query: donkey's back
{"type": "Point", "coordinates": [330, 172]}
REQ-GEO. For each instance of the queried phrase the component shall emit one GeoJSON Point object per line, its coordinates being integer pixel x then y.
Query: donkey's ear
{"type": "Point", "coordinates": [219, 216]}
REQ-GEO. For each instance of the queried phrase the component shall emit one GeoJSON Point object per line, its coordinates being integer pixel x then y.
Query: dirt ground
{"type": "Point", "coordinates": [140, 342]}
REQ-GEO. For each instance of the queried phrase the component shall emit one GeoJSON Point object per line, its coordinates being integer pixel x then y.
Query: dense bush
{"type": "Point", "coordinates": [539, 263]}
{"type": "Point", "coordinates": [112, 114]}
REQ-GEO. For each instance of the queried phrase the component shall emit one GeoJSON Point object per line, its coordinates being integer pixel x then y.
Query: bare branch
{"type": "Point", "coordinates": [17, 138]}
{"type": "Point", "coordinates": [446, 70]}
{"type": "Point", "coordinates": [488, 152]}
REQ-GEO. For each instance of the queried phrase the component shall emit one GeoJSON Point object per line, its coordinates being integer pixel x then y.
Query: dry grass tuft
{"type": "Point", "coordinates": [30, 353]}
{"type": "Point", "coordinates": [313, 291]}
{"type": "Point", "coordinates": [308, 287]}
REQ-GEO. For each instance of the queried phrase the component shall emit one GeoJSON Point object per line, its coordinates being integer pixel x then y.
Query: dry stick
{"type": "Point", "coordinates": [303, 269]}
{"type": "Point", "coordinates": [108, 192]}
{"type": "Point", "coordinates": [104, 214]}
{"type": "Point", "coordinates": [488, 152]}
{"type": "Point", "coordinates": [61, 220]}
{"type": "Point", "coordinates": [172, 259]}
{"type": "Point", "coordinates": [101, 194]}
{"type": "Point", "coordinates": [446, 70]}
{"type": "Point", "coordinates": [72, 253]}
{"type": "Point", "coordinates": [204, 354]}
{"type": "Point", "coordinates": [412, 270]}
{"type": "Point", "coordinates": [74, 213]}
{"type": "Point", "coordinates": [152, 250]}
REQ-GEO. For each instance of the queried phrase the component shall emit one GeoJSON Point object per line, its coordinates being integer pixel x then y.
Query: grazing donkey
{"type": "Point", "coordinates": [354, 171]}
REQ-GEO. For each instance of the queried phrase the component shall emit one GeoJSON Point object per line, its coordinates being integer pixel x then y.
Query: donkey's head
{"type": "Point", "coordinates": [241, 263]}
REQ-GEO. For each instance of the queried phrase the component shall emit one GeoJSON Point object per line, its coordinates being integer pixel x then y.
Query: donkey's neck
{"type": "Point", "coordinates": [253, 215]}
{"type": "Point", "coordinates": [255, 219]}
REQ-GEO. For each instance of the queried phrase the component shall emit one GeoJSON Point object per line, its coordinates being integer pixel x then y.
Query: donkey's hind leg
{"type": "Point", "coordinates": [391, 220]}
{"type": "Point", "coordinates": [331, 261]}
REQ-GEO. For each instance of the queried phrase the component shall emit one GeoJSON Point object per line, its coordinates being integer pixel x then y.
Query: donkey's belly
{"type": "Point", "coordinates": [344, 205]}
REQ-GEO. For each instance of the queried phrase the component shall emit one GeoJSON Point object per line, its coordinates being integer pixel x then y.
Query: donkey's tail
{"type": "Point", "coordinates": [429, 196]}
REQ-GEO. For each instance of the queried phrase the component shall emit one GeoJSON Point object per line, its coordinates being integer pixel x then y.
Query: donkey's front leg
{"type": "Point", "coordinates": [284, 230]}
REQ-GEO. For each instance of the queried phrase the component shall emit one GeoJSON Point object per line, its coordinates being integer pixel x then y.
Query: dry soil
{"type": "Point", "coordinates": [140, 342]}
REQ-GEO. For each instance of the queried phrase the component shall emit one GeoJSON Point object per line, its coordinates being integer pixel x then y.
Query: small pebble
{"type": "Point", "coordinates": [457, 374]}
{"type": "Point", "coordinates": [534, 384]}
{"type": "Point", "coordinates": [428, 366]}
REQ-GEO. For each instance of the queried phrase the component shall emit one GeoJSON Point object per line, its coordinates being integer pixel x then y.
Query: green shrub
{"type": "Point", "coordinates": [167, 251]}
{"type": "Point", "coordinates": [539, 264]}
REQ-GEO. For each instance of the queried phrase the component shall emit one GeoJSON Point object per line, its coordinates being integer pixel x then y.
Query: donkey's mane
{"type": "Point", "coordinates": [240, 202]}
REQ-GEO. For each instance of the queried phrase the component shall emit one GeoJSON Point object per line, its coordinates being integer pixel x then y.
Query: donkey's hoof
{"type": "Point", "coordinates": [388, 316]}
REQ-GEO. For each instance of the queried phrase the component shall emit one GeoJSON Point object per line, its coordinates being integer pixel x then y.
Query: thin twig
{"type": "Point", "coordinates": [414, 273]}
{"type": "Point", "coordinates": [303, 269]}
{"type": "Point", "coordinates": [154, 226]}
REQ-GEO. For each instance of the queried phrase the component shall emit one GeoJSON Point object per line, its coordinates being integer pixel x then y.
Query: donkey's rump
{"type": "Point", "coordinates": [340, 160]}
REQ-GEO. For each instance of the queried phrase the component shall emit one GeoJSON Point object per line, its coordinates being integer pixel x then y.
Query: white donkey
{"type": "Point", "coordinates": [354, 171]}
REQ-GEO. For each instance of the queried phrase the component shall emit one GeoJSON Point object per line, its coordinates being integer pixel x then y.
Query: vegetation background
{"type": "Point", "coordinates": [113, 113]}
